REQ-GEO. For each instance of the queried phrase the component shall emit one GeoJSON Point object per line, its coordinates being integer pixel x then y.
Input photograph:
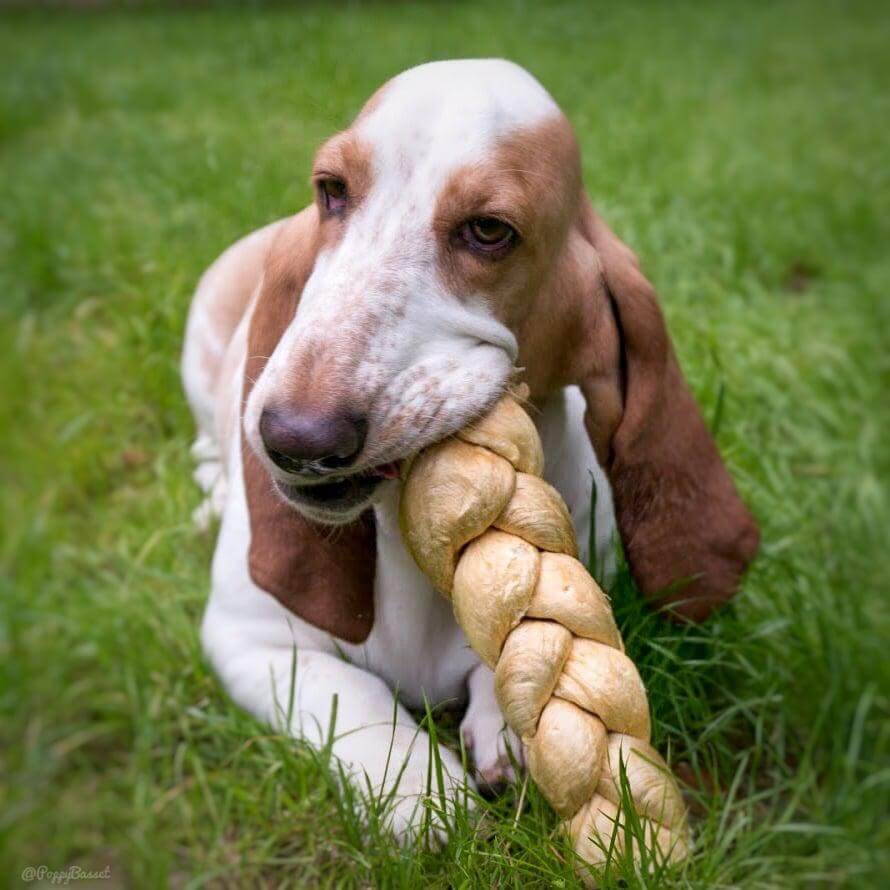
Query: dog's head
{"type": "Point", "coordinates": [437, 215]}
{"type": "Point", "coordinates": [450, 243]}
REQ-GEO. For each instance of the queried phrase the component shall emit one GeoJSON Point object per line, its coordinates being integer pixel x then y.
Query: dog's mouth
{"type": "Point", "coordinates": [337, 499]}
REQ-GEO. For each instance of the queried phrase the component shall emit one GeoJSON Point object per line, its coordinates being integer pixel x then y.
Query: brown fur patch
{"type": "Point", "coordinates": [373, 103]}
{"type": "Point", "coordinates": [347, 157]}
{"type": "Point", "coordinates": [525, 183]}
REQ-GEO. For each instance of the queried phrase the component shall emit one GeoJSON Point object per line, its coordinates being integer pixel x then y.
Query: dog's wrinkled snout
{"type": "Point", "coordinates": [310, 440]}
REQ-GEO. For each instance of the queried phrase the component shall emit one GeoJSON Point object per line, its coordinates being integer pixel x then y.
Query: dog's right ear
{"type": "Point", "coordinates": [325, 576]}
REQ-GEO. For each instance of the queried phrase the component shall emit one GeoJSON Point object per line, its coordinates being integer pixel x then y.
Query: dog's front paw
{"type": "Point", "coordinates": [410, 803]}
{"type": "Point", "coordinates": [493, 746]}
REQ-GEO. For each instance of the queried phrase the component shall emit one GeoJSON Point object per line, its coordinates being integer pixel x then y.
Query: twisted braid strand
{"type": "Point", "coordinates": [498, 541]}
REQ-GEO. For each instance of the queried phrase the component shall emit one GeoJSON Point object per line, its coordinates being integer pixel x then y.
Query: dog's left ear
{"type": "Point", "coordinates": [686, 534]}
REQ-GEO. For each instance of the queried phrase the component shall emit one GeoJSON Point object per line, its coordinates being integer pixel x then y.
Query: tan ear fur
{"type": "Point", "coordinates": [322, 575]}
{"type": "Point", "coordinates": [686, 534]}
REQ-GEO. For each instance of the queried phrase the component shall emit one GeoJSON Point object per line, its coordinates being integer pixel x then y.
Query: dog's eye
{"type": "Point", "coordinates": [333, 194]}
{"type": "Point", "coordinates": [488, 234]}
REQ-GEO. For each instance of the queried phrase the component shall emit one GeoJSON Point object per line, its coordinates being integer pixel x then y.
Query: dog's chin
{"type": "Point", "coordinates": [331, 503]}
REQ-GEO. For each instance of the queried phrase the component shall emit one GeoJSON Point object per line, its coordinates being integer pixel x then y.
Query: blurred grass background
{"type": "Point", "coordinates": [742, 150]}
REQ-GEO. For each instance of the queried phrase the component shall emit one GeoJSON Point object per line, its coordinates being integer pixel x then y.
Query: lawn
{"type": "Point", "coordinates": [741, 148]}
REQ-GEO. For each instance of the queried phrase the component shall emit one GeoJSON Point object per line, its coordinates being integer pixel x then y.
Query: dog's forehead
{"type": "Point", "coordinates": [442, 115]}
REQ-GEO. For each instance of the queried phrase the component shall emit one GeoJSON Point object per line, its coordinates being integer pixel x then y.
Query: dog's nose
{"type": "Point", "coordinates": [328, 440]}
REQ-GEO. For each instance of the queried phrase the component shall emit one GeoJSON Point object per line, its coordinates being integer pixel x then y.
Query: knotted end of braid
{"type": "Point", "coordinates": [498, 541]}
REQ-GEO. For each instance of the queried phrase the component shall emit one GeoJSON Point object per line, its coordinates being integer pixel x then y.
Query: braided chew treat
{"type": "Point", "coordinates": [498, 541]}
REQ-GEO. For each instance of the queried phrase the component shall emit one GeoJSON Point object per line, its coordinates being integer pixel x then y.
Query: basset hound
{"type": "Point", "coordinates": [450, 251]}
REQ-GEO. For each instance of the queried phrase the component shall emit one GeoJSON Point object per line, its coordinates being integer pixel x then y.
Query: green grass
{"type": "Point", "coordinates": [740, 148]}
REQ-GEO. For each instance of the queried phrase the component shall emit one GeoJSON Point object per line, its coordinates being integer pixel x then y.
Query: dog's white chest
{"type": "Point", "coordinates": [415, 644]}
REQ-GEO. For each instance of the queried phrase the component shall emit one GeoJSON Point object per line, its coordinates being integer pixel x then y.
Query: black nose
{"type": "Point", "coordinates": [294, 439]}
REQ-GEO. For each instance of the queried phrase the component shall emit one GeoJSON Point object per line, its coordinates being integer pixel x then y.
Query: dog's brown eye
{"type": "Point", "coordinates": [488, 233]}
{"type": "Point", "coordinates": [333, 193]}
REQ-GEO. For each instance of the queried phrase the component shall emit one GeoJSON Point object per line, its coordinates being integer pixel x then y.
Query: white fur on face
{"type": "Point", "coordinates": [416, 358]}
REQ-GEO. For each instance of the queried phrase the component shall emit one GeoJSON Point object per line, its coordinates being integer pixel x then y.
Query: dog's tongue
{"type": "Point", "coordinates": [388, 471]}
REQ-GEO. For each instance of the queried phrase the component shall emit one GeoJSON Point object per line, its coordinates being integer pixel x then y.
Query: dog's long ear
{"type": "Point", "coordinates": [686, 533]}
{"type": "Point", "coordinates": [324, 576]}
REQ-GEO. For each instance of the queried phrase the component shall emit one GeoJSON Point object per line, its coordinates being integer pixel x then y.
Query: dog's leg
{"type": "Point", "coordinates": [485, 735]}
{"type": "Point", "coordinates": [199, 377]}
{"type": "Point", "coordinates": [211, 479]}
{"type": "Point", "coordinates": [336, 706]}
